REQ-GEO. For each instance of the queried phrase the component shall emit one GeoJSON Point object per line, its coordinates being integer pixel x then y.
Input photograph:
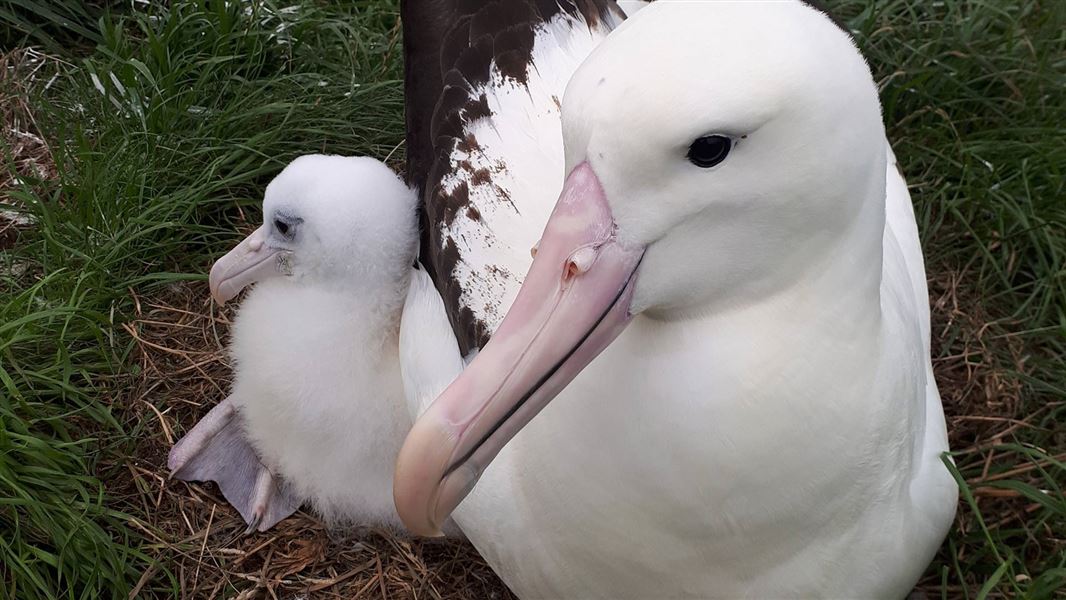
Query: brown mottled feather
{"type": "Point", "coordinates": [457, 41]}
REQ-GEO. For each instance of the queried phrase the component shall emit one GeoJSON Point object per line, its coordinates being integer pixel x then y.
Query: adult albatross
{"type": "Point", "coordinates": [732, 233]}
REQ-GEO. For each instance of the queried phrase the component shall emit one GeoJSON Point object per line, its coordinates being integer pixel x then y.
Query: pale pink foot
{"type": "Point", "coordinates": [216, 450]}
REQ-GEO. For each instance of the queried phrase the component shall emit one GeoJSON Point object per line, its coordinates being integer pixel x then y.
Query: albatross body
{"type": "Point", "coordinates": [731, 231]}
{"type": "Point", "coordinates": [316, 414]}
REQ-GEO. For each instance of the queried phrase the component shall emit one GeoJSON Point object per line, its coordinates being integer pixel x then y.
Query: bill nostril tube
{"type": "Point", "coordinates": [579, 262]}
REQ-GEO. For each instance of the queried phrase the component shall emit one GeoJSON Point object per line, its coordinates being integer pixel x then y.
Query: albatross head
{"type": "Point", "coordinates": [716, 154]}
{"type": "Point", "coordinates": [326, 220]}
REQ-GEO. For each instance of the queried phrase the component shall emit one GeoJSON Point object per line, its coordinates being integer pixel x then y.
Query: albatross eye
{"type": "Point", "coordinates": [709, 150]}
{"type": "Point", "coordinates": [286, 225]}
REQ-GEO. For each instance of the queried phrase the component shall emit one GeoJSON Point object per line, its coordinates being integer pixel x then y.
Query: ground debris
{"type": "Point", "coordinates": [180, 337]}
{"type": "Point", "coordinates": [25, 157]}
{"type": "Point", "coordinates": [22, 71]}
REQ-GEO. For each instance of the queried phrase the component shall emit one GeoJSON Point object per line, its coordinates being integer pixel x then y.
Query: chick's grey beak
{"type": "Point", "coordinates": [251, 261]}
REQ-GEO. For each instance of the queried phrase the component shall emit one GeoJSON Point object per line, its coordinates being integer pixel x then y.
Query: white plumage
{"type": "Point", "coordinates": [767, 425]}
{"type": "Point", "coordinates": [317, 390]}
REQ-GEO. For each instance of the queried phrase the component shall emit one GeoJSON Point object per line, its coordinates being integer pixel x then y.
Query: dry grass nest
{"type": "Point", "coordinates": [180, 337]}
{"type": "Point", "coordinates": [183, 372]}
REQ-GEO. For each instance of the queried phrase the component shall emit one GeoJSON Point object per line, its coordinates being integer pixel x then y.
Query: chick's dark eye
{"type": "Point", "coordinates": [709, 150]}
{"type": "Point", "coordinates": [281, 226]}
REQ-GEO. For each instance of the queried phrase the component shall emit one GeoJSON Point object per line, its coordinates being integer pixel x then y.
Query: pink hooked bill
{"type": "Point", "coordinates": [252, 260]}
{"type": "Point", "coordinates": [574, 301]}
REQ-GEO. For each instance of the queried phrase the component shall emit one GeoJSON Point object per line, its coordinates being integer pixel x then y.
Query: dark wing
{"type": "Point", "coordinates": [484, 146]}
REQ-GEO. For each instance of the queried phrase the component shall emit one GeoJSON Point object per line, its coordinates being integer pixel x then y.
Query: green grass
{"type": "Point", "coordinates": [162, 136]}
{"type": "Point", "coordinates": [166, 123]}
{"type": "Point", "coordinates": [55, 25]}
{"type": "Point", "coordinates": [975, 103]}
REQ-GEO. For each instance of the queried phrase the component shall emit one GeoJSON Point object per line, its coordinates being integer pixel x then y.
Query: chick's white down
{"type": "Point", "coordinates": [316, 376]}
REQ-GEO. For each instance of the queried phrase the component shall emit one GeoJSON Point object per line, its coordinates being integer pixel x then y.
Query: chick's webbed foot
{"type": "Point", "coordinates": [216, 450]}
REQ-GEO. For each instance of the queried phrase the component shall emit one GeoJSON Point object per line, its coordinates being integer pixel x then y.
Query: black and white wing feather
{"type": "Point", "coordinates": [484, 82]}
